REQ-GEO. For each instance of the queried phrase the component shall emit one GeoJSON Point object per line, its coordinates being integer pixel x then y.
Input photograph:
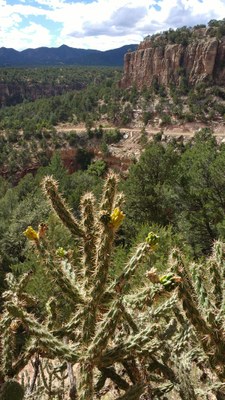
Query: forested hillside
{"type": "Point", "coordinates": [63, 55]}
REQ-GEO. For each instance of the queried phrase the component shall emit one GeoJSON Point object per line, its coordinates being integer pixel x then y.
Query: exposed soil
{"type": "Point", "coordinates": [131, 145]}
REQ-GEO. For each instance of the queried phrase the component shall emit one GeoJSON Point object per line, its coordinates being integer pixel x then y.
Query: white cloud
{"type": "Point", "coordinates": [101, 24]}
{"type": "Point", "coordinates": [32, 36]}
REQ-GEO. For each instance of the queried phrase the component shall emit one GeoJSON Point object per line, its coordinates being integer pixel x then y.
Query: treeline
{"type": "Point", "coordinates": [53, 75]}
{"type": "Point", "coordinates": [186, 35]}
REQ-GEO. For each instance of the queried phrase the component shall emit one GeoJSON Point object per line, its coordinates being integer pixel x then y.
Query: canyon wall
{"type": "Point", "coordinates": [200, 60]}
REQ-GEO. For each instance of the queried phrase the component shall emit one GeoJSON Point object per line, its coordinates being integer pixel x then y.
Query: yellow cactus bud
{"type": "Point", "coordinates": [169, 280]}
{"type": "Point", "coordinates": [31, 234]}
{"type": "Point", "coordinates": [61, 252]}
{"type": "Point", "coordinates": [116, 218]}
{"type": "Point", "coordinates": [152, 239]}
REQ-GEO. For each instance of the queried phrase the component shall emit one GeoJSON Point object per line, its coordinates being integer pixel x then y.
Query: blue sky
{"type": "Point", "coordinates": [97, 24]}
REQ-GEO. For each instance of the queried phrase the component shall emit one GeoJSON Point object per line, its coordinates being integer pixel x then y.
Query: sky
{"type": "Point", "coordinates": [97, 24]}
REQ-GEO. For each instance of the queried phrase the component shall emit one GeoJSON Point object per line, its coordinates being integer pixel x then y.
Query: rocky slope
{"type": "Point", "coordinates": [202, 58]}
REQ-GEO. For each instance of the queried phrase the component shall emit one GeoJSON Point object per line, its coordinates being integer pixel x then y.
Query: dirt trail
{"type": "Point", "coordinates": [131, 145]}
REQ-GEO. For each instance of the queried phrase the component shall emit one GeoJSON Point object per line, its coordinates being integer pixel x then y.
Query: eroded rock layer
{"type": "Point", "coordinates": [200, 60]}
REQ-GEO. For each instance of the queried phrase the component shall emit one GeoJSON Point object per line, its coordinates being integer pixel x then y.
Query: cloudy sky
{"type": "Point", "coordinates": [97, 24]}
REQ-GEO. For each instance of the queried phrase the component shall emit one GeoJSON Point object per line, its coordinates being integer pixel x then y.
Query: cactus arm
{"type": "Point", "coordinates": [71, 326]}
{"type": "Point", "coordinates": [127, 317]}
{"type": "Point", "coordinates": [132, 370]}
{"type": "Point", "coordinates": [50, 188]}
{"type": "Point", "coordinates": [104, 332]}
{"type": "Point", "coordinates": [165, 307]}
{"type": "Point", "coordinates": [104, 250]}
{"type": "Point", "coordinates": [7, 345]}
{"type": "Point", "coordinates": [161, 390]}
{"type": "Point", "coordinates": [24, 358]}
{"type": "Point", "coordinates": [120, 382]}
{"type": "Point", "coordinates": [45, 338]}
{"type": "Point", "coordinates": [55, 270]}
{"type": "Point", "coordinates": [210, 337]}
{"type": "Point", "coordinates": [86, 386]}
{"type": "Point", "coordinates": [121, 284]}
{"type": "Point", "coordinates": [136, 346]}
{"type": "Point", "coordinates": [88, 222]}
{"type": "Point", "coordinates": [105, 239]}
{"type": "Point", "coordinates": [216, 281]}
{"type": "Point", "coordinates": [109, 193]}
{"type": "Point", "coordinates": [145, 297]}
{"type": "Point", "coordinates": [204, 300]}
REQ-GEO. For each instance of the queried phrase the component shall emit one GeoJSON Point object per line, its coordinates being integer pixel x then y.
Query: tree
{"type": "Point", "coordinates": [201, 192]}
{"type": "Point", "coordinates": [149, 187]}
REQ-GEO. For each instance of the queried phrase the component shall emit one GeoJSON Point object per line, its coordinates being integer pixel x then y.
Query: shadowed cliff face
{"type": "Point", "coordinates": [12, 94]}
{"type": "Point", "coordinates": [201, 60]}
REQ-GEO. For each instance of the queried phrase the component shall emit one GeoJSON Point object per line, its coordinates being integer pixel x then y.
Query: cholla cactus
{"type": "Point", "coordinates": [202, 295]}
{"type": "Point", "coordinates": [99, 309]}
{"type": "Point", "coordinates": [111, 332]}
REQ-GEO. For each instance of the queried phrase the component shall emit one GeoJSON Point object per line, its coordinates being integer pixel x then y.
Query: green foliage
{"type": "Point", "coordinates": [148, 187]}
{"type": "Point", "coordinates": [97, 168]}
{"type": "Point", "coordinates": [11, 390]}
{"type": "Point", "coordinates": [147, 116]}
{"type": "Point", "coordinates": [186, 35]}
{"type": "Point", "coordinates": [201, 192]}
{"type": "Point", "coordinates": [182, 186]}
{"type": "Point", "coordinates": [111, 136]}
{"type": "Point", "coordinates": [83, 158]}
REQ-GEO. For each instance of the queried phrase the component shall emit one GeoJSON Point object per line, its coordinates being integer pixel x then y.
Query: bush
{"type": "Point", "coordinates": [112, 136]}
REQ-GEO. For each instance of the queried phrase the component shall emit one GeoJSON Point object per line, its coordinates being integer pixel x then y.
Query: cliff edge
{"type": "Point", "coordinates": [196, 54]}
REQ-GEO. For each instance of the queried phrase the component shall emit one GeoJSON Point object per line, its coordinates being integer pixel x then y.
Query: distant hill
{"type": "Point", "coordinates": [63, 55]}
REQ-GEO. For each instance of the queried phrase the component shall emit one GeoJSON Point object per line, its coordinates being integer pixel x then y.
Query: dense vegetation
{"type": "Point", "coordinates": [20, 85]}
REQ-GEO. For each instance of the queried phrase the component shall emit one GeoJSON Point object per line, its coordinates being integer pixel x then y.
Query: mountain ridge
{"type": "Point", "coordinates": [63, 55]}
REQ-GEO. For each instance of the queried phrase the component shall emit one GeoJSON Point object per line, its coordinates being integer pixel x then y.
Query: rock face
{"type": "Point", "coordinates": [200, 60]}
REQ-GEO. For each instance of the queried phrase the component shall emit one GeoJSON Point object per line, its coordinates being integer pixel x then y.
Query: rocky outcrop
{"type": "Point", "coordinates": [201, 60]}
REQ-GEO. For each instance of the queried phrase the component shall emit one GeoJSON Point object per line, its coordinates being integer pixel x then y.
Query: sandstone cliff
{"type": "Point", "coordinates": [203, 59]}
